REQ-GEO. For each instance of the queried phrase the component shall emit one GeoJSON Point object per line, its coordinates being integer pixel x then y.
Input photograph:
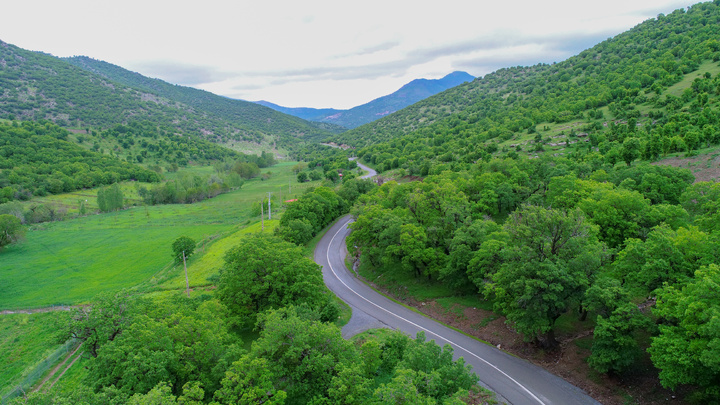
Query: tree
{"type": "Point", "coordinates": [168, 341]}
{"type": "Point", "coordinates": [687, 350]}
{"type": "Point", "coordinates": [100, 322]}
{"type": "Point", "coordinates": [110, 198]}
{"type": "Point", "coordinates": [548, 263]}
{"type": "Point", "coordinates": [11, 229]}
{"type": "Point", "coordinates": [265, 272]}
{"type": "Point", "coordinates": [293, 355]}
{"type": "Point", "coordinates": [615, 347]}
{"type": "Point", "coordinates": [183, 245]}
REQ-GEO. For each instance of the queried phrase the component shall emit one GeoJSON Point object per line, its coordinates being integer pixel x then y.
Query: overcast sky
{"type": "Point", "coordinates": [312, 53]}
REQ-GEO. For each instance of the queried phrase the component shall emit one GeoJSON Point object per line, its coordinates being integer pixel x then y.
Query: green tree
{"type": "Point", "coordinates": [293, 354]}
{"type": "Point", "coordinates": [100, 322]}
{"type": "Point", "coordinates": [615, 348]}
{"type": "Point", "coordinates": [549, 261]}
{"type": "Point", "coordinates": [687, 350]}
{"type": "Point", "coordinates": [11, 229]}
{"type": "Point", "coordinates": [168, 342]}
{"type": "Point", "coordinates": [265, 272]}
{"type": "Point", "coordinates": [183, 245]}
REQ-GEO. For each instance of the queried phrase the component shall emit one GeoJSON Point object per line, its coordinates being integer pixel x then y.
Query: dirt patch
{"type": "Point", "coordinates": [704, 167]}
{"type": "Point", "coordinates": [568, 361]}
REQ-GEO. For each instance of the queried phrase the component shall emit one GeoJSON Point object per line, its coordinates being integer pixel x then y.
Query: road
{"type": "Point", "coordinates": [514, 380]}
{"type": "Point", "coordinates": [370, 172]}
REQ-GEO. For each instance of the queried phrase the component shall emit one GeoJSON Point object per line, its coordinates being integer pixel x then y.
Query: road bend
{"type": "Point", "coordinates": [514, 380]}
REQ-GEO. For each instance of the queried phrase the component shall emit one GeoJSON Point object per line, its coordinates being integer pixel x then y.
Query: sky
{"type": "Point", "coordinates": [316, 53]}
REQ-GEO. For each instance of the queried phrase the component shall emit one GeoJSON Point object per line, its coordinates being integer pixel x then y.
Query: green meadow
{"type": "Point", "coordinates": [68, 262]}
{"type": "Point", "coordinates": [25, 343]}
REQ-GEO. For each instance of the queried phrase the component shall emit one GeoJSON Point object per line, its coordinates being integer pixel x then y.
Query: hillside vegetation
{"type": "Point", "coordinates": [38, 160]}
{"type": "Point", "coordinates": [645, 93]}
{"type": "Point", "coordinates": [534, 203]}
{"type": "Point", "coordinates": [36, 86]}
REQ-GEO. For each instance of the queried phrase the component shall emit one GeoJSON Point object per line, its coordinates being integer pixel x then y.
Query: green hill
{"type": "Point", "coordinates": [81, 92]}
{"type": "Point", "coordinates": [656, 84]}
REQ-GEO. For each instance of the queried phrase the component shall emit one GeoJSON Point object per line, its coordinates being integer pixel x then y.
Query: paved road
{"type": "Point", "coordinates": [515, 381]}
{"type": "Point", "coordinates": [371, 172]}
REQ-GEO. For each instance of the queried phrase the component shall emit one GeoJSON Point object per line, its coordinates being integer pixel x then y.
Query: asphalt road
{"type": "Point", "coordinates": [514, 380]}
{"type": "Point", "coordinates": [370, 172]}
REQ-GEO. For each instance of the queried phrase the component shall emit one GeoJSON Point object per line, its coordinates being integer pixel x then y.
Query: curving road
{"type": "Point", "coordinates": [370, 172]}
{"type": "Point", "coordinates": [514, 380]}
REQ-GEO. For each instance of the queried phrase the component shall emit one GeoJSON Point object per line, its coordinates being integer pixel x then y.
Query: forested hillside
{"type": "Point", "coordinates": [38, 86]}
{"type": "Point", "coordinates": [540, 200]}
{"type": "Point", "coordinates": [645, 93]}
{"type": "Point", "coordinates": [37, 159]}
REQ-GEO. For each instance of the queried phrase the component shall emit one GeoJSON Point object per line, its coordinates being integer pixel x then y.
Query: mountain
{"type": "Point", "coordinates": [646, 93]}
{"type": "Point", "coordinates": [83, 92]}
{"type": "Point", "coordinates": [410, 93]}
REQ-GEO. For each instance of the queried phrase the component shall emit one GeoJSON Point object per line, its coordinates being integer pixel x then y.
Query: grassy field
{"type": "Point", "coordinates": [24, 343]}
{"type": "Point", "coordinates": [68, 262]}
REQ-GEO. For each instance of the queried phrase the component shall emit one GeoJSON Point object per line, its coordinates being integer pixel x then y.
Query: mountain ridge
{"type": "Point", "coordinates": [410, 93]}
{"type": "Point", "coordinates": [83, 92]}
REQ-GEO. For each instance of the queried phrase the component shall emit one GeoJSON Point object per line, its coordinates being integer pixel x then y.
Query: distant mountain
{"type": "Point", "coordinates": [409, 94]}
{"type": "Point", "coordinates": [82, 92]}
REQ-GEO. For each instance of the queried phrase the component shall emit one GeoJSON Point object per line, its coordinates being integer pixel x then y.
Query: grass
{"type": "Point", "coordinates": [24, 343]}
{"type": "Point", "coordinates": [208, 260]}
{"type": "Point", "coordinates": [402, 285]}
{"type": "Point", "coordinates": [708, 66]}
{"type": "Point", "coordinates": [69, 262]}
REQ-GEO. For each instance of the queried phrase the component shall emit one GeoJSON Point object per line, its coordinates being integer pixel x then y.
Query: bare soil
{"type": "Point", "coordinates": [705, 167]}
{"type": "Point", "coordinates": [568, 361]}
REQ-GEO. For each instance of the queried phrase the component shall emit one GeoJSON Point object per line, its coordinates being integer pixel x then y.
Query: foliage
{"type": "Point", "coordinates": [110, 199]}
{"type": "Point", "coordinates": [298, 360]}
{"type": "Point", "coordinates": [614, 346]}
{"type": "Point", "coordinates": [314, 210]}
{"type": "Point", "coordinates": [107, 316]}
{"type": "Point", "coordinates": [183, 247]}
{"type": "Point", "coordinates": [686, 351]}
{"type": "Point", "coordinates": [175, 342]}
{"type": "Point", "coordinates": [264, 272]}
{"type": "Point", "coordinates": [550, 258]}
{"type": "Point", "coordinates": [11, 229]}
{"type": "Point", "coordinates": [38, 160]}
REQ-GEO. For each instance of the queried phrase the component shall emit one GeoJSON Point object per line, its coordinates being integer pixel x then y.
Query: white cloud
{"type": "Point", "coordinates": [317, 53]}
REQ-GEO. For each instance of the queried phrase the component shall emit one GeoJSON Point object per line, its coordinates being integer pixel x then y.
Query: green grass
{"type": "Point", "coordinates": [402, 285]}
{"type": "Point", "coordinates": [69, 262]}
{"type": "Point", "coordinates": [208, 259]}
{"type": "Point", "coordinates": [677, 89]}
{"type": "Point", "coordinates": [25, 340]}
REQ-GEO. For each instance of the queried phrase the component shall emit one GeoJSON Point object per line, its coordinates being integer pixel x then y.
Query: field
{"type": "Point", "coordinates": [68, 262]}
{"type": "Point", "coordinates": [24, 343]}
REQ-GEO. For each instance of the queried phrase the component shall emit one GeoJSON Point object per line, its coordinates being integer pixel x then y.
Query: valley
{"type": "Point", "coordinates": [567, 214]}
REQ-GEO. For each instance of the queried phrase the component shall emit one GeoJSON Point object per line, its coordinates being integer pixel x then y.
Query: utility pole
{"type": "Point", "coordinates": [269, 208]}
{"type": "Point", "coordinates": [262, 216]}
{"type": "Point", "coordinates": [187, 282]}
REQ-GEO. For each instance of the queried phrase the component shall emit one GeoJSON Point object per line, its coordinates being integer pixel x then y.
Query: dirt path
{"type": "Point", "coordinates": [66, 368]}
{"type": "Point", "coordinates": [55, 370]}
{"type": "Point", "coordinates": [39, 310]}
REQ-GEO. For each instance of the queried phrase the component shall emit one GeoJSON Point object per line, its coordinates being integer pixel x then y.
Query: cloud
{"type": "Point", "coordinates": [183, 74]}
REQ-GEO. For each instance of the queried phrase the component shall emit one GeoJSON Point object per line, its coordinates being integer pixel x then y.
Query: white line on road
{"type": "Point", "coordinates": [327, 255]}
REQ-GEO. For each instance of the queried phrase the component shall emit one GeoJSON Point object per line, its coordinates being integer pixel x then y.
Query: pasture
{"type": "Point", "coordinates": [68, 262]}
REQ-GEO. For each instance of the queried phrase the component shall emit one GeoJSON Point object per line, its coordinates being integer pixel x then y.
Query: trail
{"type": "Point", "coordinates": [40, 310]}
{"type": "Point", "coordinates": [54, 370]}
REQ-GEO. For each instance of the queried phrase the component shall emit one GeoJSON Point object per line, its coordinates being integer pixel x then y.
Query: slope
{"type": "Point", "coordinates": [37, 86]}
{"type": "Point", "coordinates": [410, 93]}
{"type": "Point", "coordinates": [655, 85]}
